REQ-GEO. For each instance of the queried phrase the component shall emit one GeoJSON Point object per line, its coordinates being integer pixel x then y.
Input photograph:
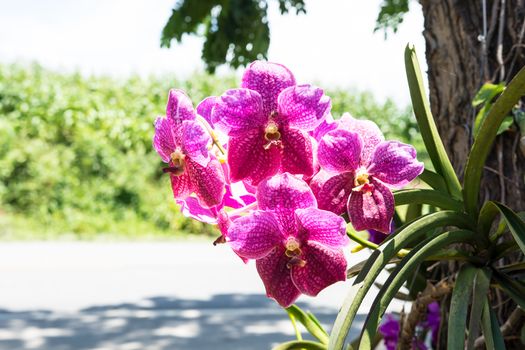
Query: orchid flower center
{"type": "Point", "coordinates": [293, 251]}
{"type": "Point", "coordinates": [272, 134]}
{"type": "Point", "coordinates": [362, 183]}
{"type": "Point", "coordinates": [177, 160]}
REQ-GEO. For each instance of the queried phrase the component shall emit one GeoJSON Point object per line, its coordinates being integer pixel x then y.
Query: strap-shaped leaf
{"type": "Point", "coordinates": [424, 196]}
{"type": "Point", "coordinates": [434, 180]}
{"type": "Point", "coordinates": [459, 307]}
{"type": "Point", "coordinates": [513, 220]}
{"type": "Point", "coordinates": [426, 123]}
{"type": "Point", "coordinates": [312, 325]}
{"type": "Point", "coordinates": [491, 329]}
{"type": "Point", "coordinates": [300, 344]}
{"type": "Point", "coordinates": [479, 296]}
{"type": "Point", "coordinates": [514, 289]}
{"type": "Point", "coordinates": [483, 143]}
{"type": "Point", "coordinates": [401, 273]}
{"type": "Point", "coordinates": [377, 261]}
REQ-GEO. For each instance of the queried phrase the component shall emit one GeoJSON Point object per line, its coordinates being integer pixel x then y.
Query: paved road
{"type": "Point", "coordinates": [187, 295]}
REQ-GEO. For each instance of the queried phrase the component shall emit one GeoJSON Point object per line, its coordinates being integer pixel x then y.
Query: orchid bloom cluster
{"type": "Point", "coordinates": [269, 166]}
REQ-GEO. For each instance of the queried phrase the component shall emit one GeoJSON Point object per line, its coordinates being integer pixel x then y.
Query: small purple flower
{"type": "Point", "coordinates": [182, 143]}
{"type": "Point", "coordinates": [390, 330]}
{"type": "Point", "coordinates": [377, 237]}
{"type": "Point", "coordinates": [297, 247]}
{"type": "Point", "coordinates": [433, 320]}
{"type": "Point", "coordinates": [267, 121]}
{"type": "Point", "coordinates": [359, 171]}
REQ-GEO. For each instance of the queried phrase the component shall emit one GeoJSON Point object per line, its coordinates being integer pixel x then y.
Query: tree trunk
{"type": "Point", "coordinates": [460, 60]}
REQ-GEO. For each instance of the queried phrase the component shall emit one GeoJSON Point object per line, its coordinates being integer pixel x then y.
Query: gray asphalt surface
{"type": "Point", "coordinates": [187, 295]}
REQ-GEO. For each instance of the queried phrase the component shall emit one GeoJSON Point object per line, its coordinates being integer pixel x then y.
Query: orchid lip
{"type": "Point", "coordinates": [362, 182]}
{"type": "Point", "coordinates": [293, 251]}
{"type": "Point", "coordinates": [272, 135]}
{"type": "Point", "coordinates": [177, 159]}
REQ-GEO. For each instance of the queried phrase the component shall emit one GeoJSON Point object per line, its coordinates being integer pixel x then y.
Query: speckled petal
{"type": "Point", "coordinates": [249, 160]}
{"type": "Point", "coordinates": [238, 111]}
{"type": "Point", "coordinates": [191, 208]}
{"type": "Point", "coordinates": [321, 226]}
{"type": "Point", "coordinates": [255, 235]}
{"type": "Point", "coordinates": [332, 191]}
{"type": "Point", "coordinates": [297, 155]}
{"type": "Point", "coordinates": [207, 182]}
{"type": "Point", "coordinates": [303, 106]}
{"type": "Point", "coordinates": [372, 210]}
{"type": "Point", "coordinates": [340, 151]}
{"type": "Point", "coordinates": [395, 164]}
{"type": "Point", "coordinates": [326, 125]}
{"type": "Point", "coordinates": [180, 107]}
{"type": "Point", "coordinates": [276, 277]}
{"type": "Point", "coordinates": [195, 141]}
{"type": "Point", "coordinates": [163, 140]}
{"type": "Point", "coordinates": [268, 79]}
{"type": "Point", "coordinates": [181, 185]}
{"type": "Point", "coordinates": [284, 191]}
{"type": "Point", "coordinates": [204, 108]}
{"type": "Point", "coordinates": [324, 267]}
{"type": "Point", "coordinates": [369, 132]}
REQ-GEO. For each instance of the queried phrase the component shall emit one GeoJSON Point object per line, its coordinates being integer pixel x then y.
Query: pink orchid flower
{"type": "Point", "coordinates": [267, 121]}
{"type": "Point", "coordinates": [359, 169]}
{"type": "Point", "coordinates": [183, 143]}
{"type": "Point", "coordinates": [297, 247]}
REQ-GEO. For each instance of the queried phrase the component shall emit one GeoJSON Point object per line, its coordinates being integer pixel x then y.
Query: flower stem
{"type": "Point", "coordinates": [294, 323]}
{"type": "Point", "coordinates": [212, 134]}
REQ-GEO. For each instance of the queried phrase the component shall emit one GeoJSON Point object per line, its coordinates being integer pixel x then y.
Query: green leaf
{"type": "Point", "coordinates": [483, 143]}
{"type": "Point", "coordinates": [424, 196]}
{"type": "Point", "coordinates": [459, 307]}
{"type": "Point", "coordinates": [434, 180]}
{"type": "Point", "coordinates": [491, 330]}
{"type": "Point", "coordinates": [487, 93]}
{"type": "Point", "coordinates": [300, 344]}
{"type": "Point", "coordinates": [401, 273]}
{"type": "Point", "coordinates": [513, 288]}
{"type": "Point", "coordinates": [479, 296]}
{"type": "Point", "coordinates": [426, 123]}
{"type": "Point", "coordinates": [379, 259]}
{"type": "Point", "coordinates": [505, 124]}
{"type": "Point", "coordinates": [514, 221]}
{"type": "Point", "coordinates": [312, 325]}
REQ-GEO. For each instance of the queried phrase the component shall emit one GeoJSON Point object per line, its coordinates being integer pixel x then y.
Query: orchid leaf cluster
{"type": "Point", "coordinates": [287, 185]}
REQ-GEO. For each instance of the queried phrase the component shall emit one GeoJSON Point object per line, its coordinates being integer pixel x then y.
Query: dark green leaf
{"type": "Point", "coordinates": [457, 318]}
{"type": "Point", "coordinates": [311, 324]}
{"type": "Point", "coordinates": [479, 296]}
{"type": "Point", "coordinates": [483, 143]}
{"type": "Point", "coordinates": [402, 272]}
{"type": "Point", "coordinates": [434, 180]}
{"type": "Point", "coordinates": [424, 196]}
{"type": "Point", "coordinates": [300, 344]}
{"type": "Point", "coordinates": [426, 123]}
{"type": "Point", "coordinates": [491, 330]}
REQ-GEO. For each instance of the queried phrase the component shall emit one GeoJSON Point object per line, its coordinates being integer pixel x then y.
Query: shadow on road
{"type": "Point", "coordinates": [226, 321]}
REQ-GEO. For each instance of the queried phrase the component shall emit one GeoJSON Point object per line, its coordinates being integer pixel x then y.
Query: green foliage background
{"type": "Point", "coordinates": [76, 155]}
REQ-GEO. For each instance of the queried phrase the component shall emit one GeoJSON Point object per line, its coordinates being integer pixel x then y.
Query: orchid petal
{"type": "Point", "coordinates": [179, 107]}
{"type": "Point", "coordinates": [324, 267]}
{"type": "Point", "coordinates": [195, 142]}
{"type": "Point", "coordinates": [321, 226]}
{"type": "Point", "coordinates": [163, 140]}
{"type": "Point", "coordinates": [181, 185]}
{"type": "Point", "coordinates": [369, 132]}
{"type": "Point", "coordinates": [205, 107]}
{"type": "Point", "coordinates": [395, 164]}
{"type": "Point", "coordinates": [238, 111]}
{"type": "Point", "coordinates": [255, 235]}
{"type": "Point", "coordinates": [326, 126]}
{"type": "Point", "coordinates": [371, 210]}
{"type": "Point", "coordinates": [268, 79]}
{"type": "Point", "coordinates": [284, 191]}
{"type": "Point", "coordinates": [191, 208]}
{"type": "Point", "coordinates": [303, 107]}
{"type": "Point", "coordinates": [332, 191]}
{"type": "Point", "coordinates": [249, 160]}
{"type": "Point", "coordinates": [276, 277]}
{"type": "Point", "coordinates": [297, 155]}
{"type": "Point", "coordinates": [207, 182]}
{"type": "Point", "coordinates": [340, 151]}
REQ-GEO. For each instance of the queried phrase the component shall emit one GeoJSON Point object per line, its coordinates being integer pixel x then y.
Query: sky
{"type": "Point", "coordinates": [332, 45]}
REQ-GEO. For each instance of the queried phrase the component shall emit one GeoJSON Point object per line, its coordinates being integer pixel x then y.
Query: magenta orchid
{"type": "Point", "coordinates": [267, 121]}
{"type": "Point", "coordinates": [182, 143]}
{"type": "Point", "coordinates": [359, 169]}
{"type": "Point", "coordinates": [297, 247]}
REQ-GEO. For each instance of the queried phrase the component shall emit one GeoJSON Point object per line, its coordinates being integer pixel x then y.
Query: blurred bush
{"type": "Point", "coordinates": [76, 155]}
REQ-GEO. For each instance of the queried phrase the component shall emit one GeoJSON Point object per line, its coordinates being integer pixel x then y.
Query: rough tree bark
{"type": "Point", "coordinates": [459, 63]}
